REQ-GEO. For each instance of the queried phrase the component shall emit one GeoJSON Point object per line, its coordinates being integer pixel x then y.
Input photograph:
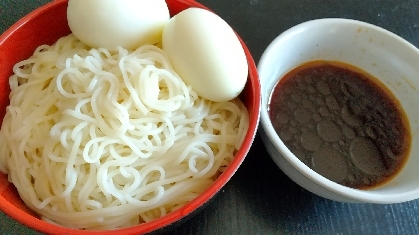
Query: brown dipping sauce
{"type": "Point", "coordinates": [341, 122]}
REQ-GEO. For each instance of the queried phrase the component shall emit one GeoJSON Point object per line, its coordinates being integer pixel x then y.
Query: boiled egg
{"type": "Point", "coordinates": [112, 23]}
{"type": "Point", "coordinates": [206, 53]}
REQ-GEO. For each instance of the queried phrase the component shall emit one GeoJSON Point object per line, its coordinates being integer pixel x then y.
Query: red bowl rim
{"type": "Point", "coordinates": [8, 208]}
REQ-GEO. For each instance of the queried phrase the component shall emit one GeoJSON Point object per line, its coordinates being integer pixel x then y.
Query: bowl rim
{"type": "Point", "coordinates": [171, 218]}
{"type": "Point", "coordinates": [366, 196]}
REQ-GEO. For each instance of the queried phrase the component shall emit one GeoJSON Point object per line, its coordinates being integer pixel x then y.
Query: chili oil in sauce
{"type": "Point", "coordinates": [341, 122]}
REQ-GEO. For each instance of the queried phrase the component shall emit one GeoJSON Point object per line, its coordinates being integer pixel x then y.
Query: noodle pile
{"type": "Point", "coordinates": [98, 139]}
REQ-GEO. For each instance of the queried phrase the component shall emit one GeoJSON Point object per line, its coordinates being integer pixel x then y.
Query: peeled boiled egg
{"type": "Point", "coordinates": [206, 53]}
{"type": "Point", "coordinates": [112, 23]}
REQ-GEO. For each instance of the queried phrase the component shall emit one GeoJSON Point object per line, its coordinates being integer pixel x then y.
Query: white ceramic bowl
{"type": "Point", "coordinates": [375, 50]}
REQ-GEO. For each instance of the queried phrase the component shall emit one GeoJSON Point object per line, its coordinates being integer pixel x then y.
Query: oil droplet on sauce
{"type": "Point", "coordinates": [343, 123]}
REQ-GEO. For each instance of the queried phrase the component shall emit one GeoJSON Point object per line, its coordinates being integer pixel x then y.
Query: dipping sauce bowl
{"type": "Point", "coordinates": [378, 52]}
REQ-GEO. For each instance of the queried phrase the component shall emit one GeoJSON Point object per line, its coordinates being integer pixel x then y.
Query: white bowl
{"type": "Point", "coordinates": [375, 50]}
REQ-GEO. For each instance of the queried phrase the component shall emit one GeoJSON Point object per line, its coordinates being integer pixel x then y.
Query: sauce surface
{"type": "Point", "coordinates": [341, 122]}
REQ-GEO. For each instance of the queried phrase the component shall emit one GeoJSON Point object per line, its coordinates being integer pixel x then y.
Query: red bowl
{"type": "Point", "coordinates": [46, 25]}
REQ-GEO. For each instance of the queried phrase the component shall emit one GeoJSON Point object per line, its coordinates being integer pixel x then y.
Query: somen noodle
{"type": "Point", "coordinates": [103, 139]}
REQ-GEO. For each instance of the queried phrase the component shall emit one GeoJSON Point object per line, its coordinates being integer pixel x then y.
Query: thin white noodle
{"type": "Point", "coordinates": [99, 139]}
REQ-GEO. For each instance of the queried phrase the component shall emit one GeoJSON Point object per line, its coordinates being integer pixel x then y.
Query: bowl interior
{"type": "Point", "coordinates": [46, 25]}
{"type": "Point", "coordinates": [379, 52]}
